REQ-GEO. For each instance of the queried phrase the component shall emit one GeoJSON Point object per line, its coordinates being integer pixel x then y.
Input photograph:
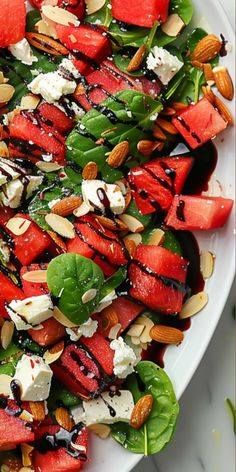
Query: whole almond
{"type": "Point", "coordinates": [141, 411]}
{"type": "Point", "coordinates": [118, 154]}
{"type": "Point", "coordinates": [168, 111]}
{"type": "Point", "coordinates": [224, 111]}
{"type": "Point", "coordinates": [137, 59]}
{"type": "Point", "coordinates": [179, 106]}
{"type": "Point", "coordinates": [158, 133]}
{"type": "Point", "coordinates": [66, 206]}
{"type": "Point", "coordinates": [208, 74]}
{"type": "Point", "coordinates": [113, 225]}
{"type": "Point", "coordinates": [223, 82]}
{"type": "Point", "coordinates": [166, 334]}
{"type": "Point", "coordinates": [64, 418]}
{"type": "Point", "coordinates": [46, 44]}
{"type": "Point", "coordinates": [209, 94]}
{"type": "Point", "coordinates": [37, 410]}
{"type": "Point", "coordinates": [90, 171]}
{"type": "Point", "coordinates": [207, 49]}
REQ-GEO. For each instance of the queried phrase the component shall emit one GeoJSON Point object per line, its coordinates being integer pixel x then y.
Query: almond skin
{"type": "Point", "coordinates": [37, 410]}
{"type": "Point", "coordinates": [46, 44]}
{"type": "Point", "coordinates": [130, 246]}
{"type": "Point", "coordinates": [224, 111]}
{"type": "Point", "coordinates": [166, 334]}
{"type": "Point", "coordinates": [57, 240]}
{"type": "Point", "coordinates": [109, 318]}
{"type": "Point", "coordinates": [90, 171]}
{"type": "Point", "coordinates": [146, 147]}
{"type": "Point", "coordinates": [118, 154]}
{"type": "Point", "coordinates": [166, 126]}
{"type": "Point", "coordinates": [208, 74]}
{"type": "Point", "coordinates": [224, 82]}
{"type": "Point", "coordinates": [64, 419]}
{"type": "Point", "coordinates": [137, 59]}
{"type": "Point", "coordinates": [66, 206]}
{"type": "Point", "coordinates": [113, 225]}
{"type": "Point", "coordinates": [141, 411]}
{"type": "Point", "coordinates": [207, 49]}
{"type": "Point", "coordinates": [209, 94]}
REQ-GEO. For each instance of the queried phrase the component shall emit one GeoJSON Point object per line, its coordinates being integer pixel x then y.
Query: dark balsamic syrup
{"type": "Point", "coordinates": [62, 438]}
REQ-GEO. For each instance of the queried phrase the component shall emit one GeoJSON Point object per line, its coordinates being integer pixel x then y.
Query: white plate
{"type": "Point", "coordinates": [181, 362]}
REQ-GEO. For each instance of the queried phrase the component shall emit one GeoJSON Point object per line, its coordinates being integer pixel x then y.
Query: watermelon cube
{"type": "Point", "coordinates": [140, 13]}
{"type": "Point", "coordinates": [13, 430]}
{"type": "Point", "coordinates": [12, 22]}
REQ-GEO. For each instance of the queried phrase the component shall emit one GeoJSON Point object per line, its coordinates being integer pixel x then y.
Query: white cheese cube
{"type": "Point", "coordinates": [163, 64]}
{"type": "Point", "coordinates": [124, 358]}
{"type": "Point", "coordinates": [52, 86]}
{"type": "Point", "coordinates": [12, 193]}
{"type": "Point", "coordinates": [96, 191]}
{"type": "Point", "coordinates": [109, 408]}
{"type": "Point", "coordinates": [31, 311]}
{"type": "Point", "coordinates": [7, 172]}
{"type": "Point", "coordinates": [78, 414]}
{"type": "Point", "coordinates": [34, 182]}
{"type": "Point", "coordinates": [23, 52]}
{"type": "Point", "coordinates": [34, 376]}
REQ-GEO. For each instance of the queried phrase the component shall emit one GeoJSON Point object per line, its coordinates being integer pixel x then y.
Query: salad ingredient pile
{"type": "Point", "coordinates": [107, 116]}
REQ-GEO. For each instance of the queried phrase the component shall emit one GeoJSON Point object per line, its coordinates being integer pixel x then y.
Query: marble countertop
{"type": "Point", "coordinates": [204, 440]}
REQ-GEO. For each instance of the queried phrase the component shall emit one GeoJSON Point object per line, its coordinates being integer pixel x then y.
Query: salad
{"type": "Point", "coordinates": [108, 111]}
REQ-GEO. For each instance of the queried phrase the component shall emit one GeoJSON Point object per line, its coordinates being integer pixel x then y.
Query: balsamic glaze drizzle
{"type": "Point", "coordinates": [167, 281]}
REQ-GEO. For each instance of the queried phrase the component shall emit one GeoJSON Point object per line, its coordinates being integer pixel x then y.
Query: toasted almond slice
{"type": "Point", "coordinates": [26, 416]}
{"type": "Point", "coordinates": [61, 318]}
{"type": "Point", "coordinates": [64, 418]}
{"type": "Point", "coordinates": [144, 346]}
{"type": "Point", "coordinates": [48, 166]}
{"type": "Point", "coordinates": [60, 225]}
{"type": "Point", "coordinates": [136, 61]}
{"type": "Point", "coordinates": [166, 126]}
{"type": "Point", "coordinates": [7, 333]}
{"type": "Point", "coordinates": [54, 353]}
{"type": "Point", "coordinates": [166, 334]}
{"type": "Point", "coordinates": [156, 237]}
{"type": "Point", "coordinates": [18, 225]}
{"type": "Point", "coordinates": [101, 430]}
{"type": "Point", "coordinates": [66, 206]}
{"type": "Point", "coordinates": [5, 384]}
{"type": "Point", "coordinates": [173, 26]}
{"type": "Point", "coordinates": [29, 102]}
{"type": "Point", "coordinates": [134, 225]}
{"type": "Point", "coordinates": [89, 295]}
{"type": "Point", "coordinates": [26, 469]}
{"type": "Point", "coordinates": [59, 15]}
{"type": "Point", "coordinates": [94, 5]}
{"type": "Point", "coordinates": [193, 305]}
{"type": "Point", "coordinates": [46, 27]}
{"type": "Point", "coordinates": [26, 452]}
{"type": "Point", "coordinates": [136, 237]}
{"type": "Point", "coordinates": [1, 77]}
{"type": "Point", "coordinates": [4, 151]}
{"type": "Point", "coordinates": [82, 210]}
{"type": "Point", "coordinates": [61, 246]}
{"type": "Point", "coordinates": [130, 246]}
{"type": "Point", "coordinates": [135, 340]}
{"type": "Point", "coordinates": [38, 411]}
{"type": "Point", "coordinates": [114, 225]}
{"type": "Point", "coordinates": [141, 411]}
{"type": "Point", "coordinates": [136, 330]}
{"type": "Point", "coordinates": [207, 260]}
{"type": "Point", "coordinates": [114, 331]}
{"type": "Point", "coordinates": [36, 276]}
{"type": "Point", "coordinates": [6, 92]}
{"type": "Point", "coordinates": [148, 324]}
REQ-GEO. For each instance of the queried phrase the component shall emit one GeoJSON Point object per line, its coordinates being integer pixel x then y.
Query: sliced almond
{"type": "Point", "coordinates": [141, 411]}
{"type": "Point", "coordinates": [26, 452]}
{"type": "Point", "coordinates": [4, 151]}
{"type": "Point", "coordinates": [173, 26]}
{"type": "Point", "coordinates": [193, 305]}
{"type": "Point", "coordinates": [113, 225]}
{"type": "Point", "coordinates": [135, 340]}
{"type": "Point", "coordinates": [29, 102]}
{"type": "Point", "coordinates": [5, 384]}
{"type": "Point", "coordinates": [130, 246]}
{"type": "Point", "coordinates": [134, 225]}
{"type": "Point", "coordinates": [38, 411]}
{"type": "Point", "coordinates": [7, 333]}
{"type": "Point", "coordinates": [6, 92]}
{"type": "Point", "coordinates": [148, 324]}
{"type": "Point", "coordinates": [26, 416]}
{"type": "Point", "coordinates": [54, 353]}
{"type": "Point", "coordinates": [166, 334]}
{"type": "Point", "coordinates": [147, 147]}
{"type": "Point", "coordinates": [136, 237]}
{"type": "Point", "coordinates": [35, 276]}
{"type": "Point", "coordinates": [59, 15]}
{"type": "Point", "coordinates": [136, 330]}
{"type": "Point", "coordinates": [89, 295]}
{"type": "Point", "coordinates": [156, 237]}
{"type": "Point", "coordinates": [61, 318]}
{"type": "Point", "coordinates": [64, 418]}
{"type": "Point", "coordinates": [207, 260]}
{"type": "Point", "coordinates": [26, 469]}
{"type": "Point", "coordinates": [18, 225]}
{"type": "Point", "coordinates": [90, 171]}
{"type": "Point", "coordinates": [136, 61]}
{"type": "Point", "coordinates": [46, 27]}
{"type": "Point", "coordinates": [60, 225]}
{"type": "Point", "coordinates": [158, 133]}
{"type": "Point", "coordinates": [61, 246]}
{"type": "Point", "coordinates": [66, 206]}
{"type": "Point", "coordinates": [114, 331]}
{"type": "Point", "coordinates": [144, 346]}
{"type": "Point", "coordinates": [101, 430]}
{"type": "Point", "coordinates": [82, 210]}
{"type": "Point", "coordinates": [48, 166]}
{"type": "Point", "coordinates": [118, 155]}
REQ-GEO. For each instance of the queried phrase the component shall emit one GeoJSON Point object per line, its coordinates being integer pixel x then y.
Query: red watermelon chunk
{"type": "Point", "coordinates": [13, 430]}
{"type": "Point", "coordinates": [95, 357]}
{"type": "Point", "coordinates": [199, 122]}
{"type": "Point", "coordinates": [9, 291]}
{"type": "Point", "coordinates": [33, 289]}
{"type": "Point", "coordinates": [155, 183]}
{"type": "Point", "coordinates": [104, 246]}
{"type": "Point", "coordinates": [77, 7]}
{"type": "Point", "coordinates": [5, 214]}
{"type": "Point", "coordinates": [89, 44]}
{"type": "Point", "coordinates": [50, 454]}
{"type": "Point", "coordinates": [158, 278]}
{"type": "Point", "coordinates": [55, 118]}
{"type": "Point", "coordinates": [51, 332]}
{"type": "Point", "coordinates": [12, 22]}
{"type": "Point", "coordinates": [139, 12]}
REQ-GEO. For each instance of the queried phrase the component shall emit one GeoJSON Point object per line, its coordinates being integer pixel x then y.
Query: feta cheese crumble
{"type": "Point", "coordinates": [34, 376]}
{"type": "Point", "coordinates": [108, 409]}
{"type": "Point", "coordinates": [94, 192]}
{"type": "Point", "coordinates": [163, 64]}
{"type": "Point", "coordinates": [23, 52]}
{"type": "Point", "coordinates": [124, 358]}
{"type": "Point", "coordinates": [52, 86]}
{"type": "Point", "coordinates": [30, 311]}
{"type": "Point", "coordinates": [87, 330]}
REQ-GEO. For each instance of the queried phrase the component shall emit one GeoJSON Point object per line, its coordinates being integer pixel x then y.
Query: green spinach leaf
{"type": "Point", "coordinates": [69, 277]}
{"type": "Point", "coordinates": [113, 282]}
{"type": "Point", "coordinates": [101, 17]}
{"type": "Point", "coordinates": [134, 211]}
{"type": "Point", "coordinates": [32, 17]}
{"type": "Point", "coordinates": [158, 430]}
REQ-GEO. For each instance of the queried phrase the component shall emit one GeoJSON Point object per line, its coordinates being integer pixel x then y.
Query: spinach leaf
{"type": "Point", "coordinates": [113, 282]}
{"type": "Point", "coordinates": [69, 277]}
{"type": "Point", "coordinates": [169, 241]}
{"type": "Point", "coordinates": [232, 410]}
{"type": "Point", "coordinates": [134, 211]}
{"type": "Point", "coordinates": [60, 395]}
{"type": "Point", "coordinates": [101, 17]}
{"type": "Point", "coordinates": [184, 8]}
{"type": "Point", "coordinates": [158, 430]}
{"type": "Point", "coordinates": [32, 17]}
{"type": "Point", "coordinates": [9, 353]}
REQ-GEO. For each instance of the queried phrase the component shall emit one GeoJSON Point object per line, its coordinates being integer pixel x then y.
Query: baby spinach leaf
{"type": "Point", "coordinates": [32, 17]}
{"type": "Point", "coordinates": [169, 241]}
{"type": "Point", "coordinates": [101, 17]}
{"type": "Point", "coordinates": [69, 277]}
{"type": "Point", "coordinates": [60, 395]}
{"type": "Point", "coordinates": [183, 8]}
{"type": "Point", "coordinates": [9, 353]}
{"type": "Point", "coordinates": [133, 211]}
{"type": "Point", "coordinates": [158, 430]}
{"type": "Point", "coordinates": [113, 282]}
